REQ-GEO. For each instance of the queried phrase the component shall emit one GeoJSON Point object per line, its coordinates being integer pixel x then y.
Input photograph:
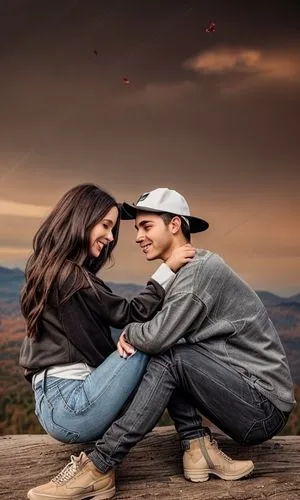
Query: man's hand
{"type": "Point", "coordinates": [124, 348]}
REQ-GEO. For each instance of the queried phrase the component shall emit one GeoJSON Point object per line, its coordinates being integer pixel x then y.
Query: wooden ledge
{"type": "Point", "coordinates": [153, 470]}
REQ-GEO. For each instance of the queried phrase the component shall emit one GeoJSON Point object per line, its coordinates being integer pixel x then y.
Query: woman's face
{"type": "Point", "coordinates": [101, 234]}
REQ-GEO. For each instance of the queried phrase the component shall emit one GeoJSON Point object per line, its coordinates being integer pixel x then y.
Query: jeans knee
{"type": "Point", "coordinates": [139, 362]}
{"type": "Point", "coordinates": [141, 356]}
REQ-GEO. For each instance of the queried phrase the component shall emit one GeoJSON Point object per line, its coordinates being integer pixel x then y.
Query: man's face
{"type": "Point", "coordinates": [154, 237]}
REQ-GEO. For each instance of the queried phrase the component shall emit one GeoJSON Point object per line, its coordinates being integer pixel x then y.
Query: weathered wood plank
{"type": "Point", "coordinates": [153, 468]}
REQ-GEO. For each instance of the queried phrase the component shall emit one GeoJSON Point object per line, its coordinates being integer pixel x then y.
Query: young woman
{"type": "Point", "coordinates": [79, 380]}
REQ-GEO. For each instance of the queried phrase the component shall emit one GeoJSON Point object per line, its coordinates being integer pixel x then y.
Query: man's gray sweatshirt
{"type": "Point", "coordinates": [209, 304]}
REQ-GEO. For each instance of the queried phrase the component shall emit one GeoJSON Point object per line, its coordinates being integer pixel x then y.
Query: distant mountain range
{"type": "Point", "coordinates": [270, 299]}
{"type": "Point", "coordinates": [11, 282]}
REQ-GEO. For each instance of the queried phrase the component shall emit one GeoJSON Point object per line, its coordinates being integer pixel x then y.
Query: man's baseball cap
{"type": "Point", "coordinates": [164, 200]}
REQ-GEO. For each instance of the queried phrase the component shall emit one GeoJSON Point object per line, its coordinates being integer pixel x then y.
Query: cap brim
{"type": "Point", "coordinates": [128, 212]}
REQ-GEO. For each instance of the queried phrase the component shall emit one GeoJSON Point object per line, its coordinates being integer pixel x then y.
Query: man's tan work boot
{"type": "Point", "coordinates": [204, 458]}
{"type": "Point", "coordinates": [78, 480]}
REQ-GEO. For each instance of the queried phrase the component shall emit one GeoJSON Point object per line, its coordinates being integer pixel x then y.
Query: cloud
{"type": "Point", "coordinates": [252, 65]}
{"type": "Point", "coordinates": [22, 209]}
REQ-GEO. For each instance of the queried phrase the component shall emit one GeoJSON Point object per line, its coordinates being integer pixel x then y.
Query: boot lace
{"type": "Point", "coordinates": [69, 470]}
{"type": "Point", "coordinates": [220, 452]}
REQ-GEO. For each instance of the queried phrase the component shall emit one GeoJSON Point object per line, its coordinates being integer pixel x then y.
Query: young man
{"type": "Point", "coordinates": [214, 348]}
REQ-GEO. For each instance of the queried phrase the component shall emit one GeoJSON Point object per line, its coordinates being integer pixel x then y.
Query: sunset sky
{"type": "Point", "coordinates": [215, 116]}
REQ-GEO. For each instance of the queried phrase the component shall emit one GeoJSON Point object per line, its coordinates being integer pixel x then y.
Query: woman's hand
{"type": "Point", "coordinates": [180, 256]}
{"type": "Point", "coordinates": [124, 348]}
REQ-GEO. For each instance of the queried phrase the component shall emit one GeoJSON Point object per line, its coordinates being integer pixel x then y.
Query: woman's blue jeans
{"type": "Point", "coordinates": [81, 410]}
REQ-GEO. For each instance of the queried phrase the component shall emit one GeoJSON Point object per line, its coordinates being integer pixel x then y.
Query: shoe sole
{"type": "Point", "coordinates": [201, 477]}
{"type": "Point", "coordinates": [100, 495]}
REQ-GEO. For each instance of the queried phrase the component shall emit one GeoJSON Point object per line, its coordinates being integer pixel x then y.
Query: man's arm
{"type": "Point", "coordinates": [168, 326]}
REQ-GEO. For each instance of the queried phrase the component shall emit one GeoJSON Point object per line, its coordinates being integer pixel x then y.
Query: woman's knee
{"type": "Point", "coordinates": [139, 360]}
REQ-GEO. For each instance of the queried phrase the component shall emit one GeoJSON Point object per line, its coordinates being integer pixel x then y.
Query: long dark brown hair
{"type": "Point", "coordinates": [61, 249]}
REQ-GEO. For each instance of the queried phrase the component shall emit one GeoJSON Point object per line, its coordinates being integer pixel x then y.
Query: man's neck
{"type": "Point", "coordinates": [176, 244]}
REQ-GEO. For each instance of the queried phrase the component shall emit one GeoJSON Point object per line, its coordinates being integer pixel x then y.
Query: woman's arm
{"type": "Point", "coordinates": [118, 311]}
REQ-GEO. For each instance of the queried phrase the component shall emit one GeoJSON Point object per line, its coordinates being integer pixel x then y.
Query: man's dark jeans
{"type": "Point", "coordinates": [184, 378]}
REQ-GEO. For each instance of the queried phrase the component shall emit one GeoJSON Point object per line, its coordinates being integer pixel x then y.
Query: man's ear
{"type": "Point", "coordinates": [175, 224]}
